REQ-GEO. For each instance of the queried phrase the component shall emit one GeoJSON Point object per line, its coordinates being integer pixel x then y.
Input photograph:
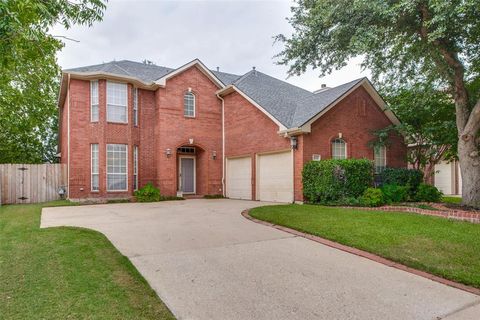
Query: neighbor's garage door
{"type": "Point", "coordinates": [239, 178]}
{"type": "Point", "coordinates": [443, 177]}
{"type": "Point", "coordinates": [275, 177]}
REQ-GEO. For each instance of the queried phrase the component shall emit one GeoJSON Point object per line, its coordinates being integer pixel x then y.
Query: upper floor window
{"type": "Point", "coordinates": [339, 149]}
{"type": "Point", "coordinates": [117, 102]}
{"type": "Point", "coordinates": [189, 104]}
{"type": "Point", "coordinates": [380, 158]}
{"type": "Point", "coordinates": [135, 106]}
{"type": "Point", "coordinates": [94, 110]}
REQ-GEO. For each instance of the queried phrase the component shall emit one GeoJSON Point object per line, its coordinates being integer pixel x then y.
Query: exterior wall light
{"type": "Point", "coordinates": [294, 142]}
{"type": "Point", "coordinates": [214, 155]}
{"type": "Point", "coordinates": [168, 152]}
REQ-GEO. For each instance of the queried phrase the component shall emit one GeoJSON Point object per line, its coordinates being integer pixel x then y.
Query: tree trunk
{"type": "Point", "coordinates": [428, 173]}
{"type": "Point", "coordinates": [469, 157]}
{"type": "Point", "coordinates": [470, 169]}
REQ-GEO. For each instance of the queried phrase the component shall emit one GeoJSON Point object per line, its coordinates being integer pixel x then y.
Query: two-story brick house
{"type": "Point", "coordinates": [192, 130]}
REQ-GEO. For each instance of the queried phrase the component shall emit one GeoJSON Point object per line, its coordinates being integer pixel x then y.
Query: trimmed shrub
{"type": "Point", "coordinates": [393, 193]}
{"type": "Point", "coordinates": [331, 180]}
{"type": "Point", "coordinates": [148, 193]}
{"type": "Point", "coordinates": [372, 197]}
{"type": "Point", "coordinates": [428, 193]}
{"type": "Point", "coordinates": [403, 177]}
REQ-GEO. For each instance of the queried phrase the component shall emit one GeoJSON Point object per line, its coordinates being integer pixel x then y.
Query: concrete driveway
{"type": "Point", "coordinates": [206, 261]}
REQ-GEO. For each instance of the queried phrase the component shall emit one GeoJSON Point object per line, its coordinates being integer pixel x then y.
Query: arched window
{"type": "Point", "coordinates": [339, 149]}
{"type": "Point", "coordinates": [189, 104]}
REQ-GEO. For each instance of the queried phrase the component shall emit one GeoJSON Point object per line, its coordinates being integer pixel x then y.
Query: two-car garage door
{"type": "Point", "coordinates": [274, 177]}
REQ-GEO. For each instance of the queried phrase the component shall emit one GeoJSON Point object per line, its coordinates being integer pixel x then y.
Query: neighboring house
{"type": "Point", "coordinates": [447, 177]}
{"type": "Point", "coordinates": [192, 130]}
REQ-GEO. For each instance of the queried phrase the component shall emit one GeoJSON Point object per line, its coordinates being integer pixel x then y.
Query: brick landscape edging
{"type": "Point", "coordinates": [448, 214]}
{"type": "Point", "coordinates": [365, 254]}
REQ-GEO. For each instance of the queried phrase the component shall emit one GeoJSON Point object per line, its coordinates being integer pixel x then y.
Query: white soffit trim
{"type": "Point", "coordinates": [231, 87]}
{"type": "Point", "coordinates": [111, 76]}
{"type": "Point", "coordinates": [371, 91]}
{"type": "Point", "coordinates": [163, 80]}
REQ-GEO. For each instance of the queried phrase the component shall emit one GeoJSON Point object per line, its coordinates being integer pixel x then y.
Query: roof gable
{"type": "Point", "coordinates": [308, 108]}
{"type": "Point", "coordinates": [194, 63]}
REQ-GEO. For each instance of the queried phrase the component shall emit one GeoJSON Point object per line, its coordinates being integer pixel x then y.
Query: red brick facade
{"type": "Point", "coordinates": [162, 126]}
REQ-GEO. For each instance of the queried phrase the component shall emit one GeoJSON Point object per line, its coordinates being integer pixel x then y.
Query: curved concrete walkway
{"type": "Point", "coordinates": [206, 261]}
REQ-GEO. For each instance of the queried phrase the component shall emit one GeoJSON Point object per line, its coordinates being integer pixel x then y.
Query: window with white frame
{"type": "Point", "coordinates": [94, 109]}
{"type": "Point", "coordinates": [189, 104]}
{"type": "Point", "coordinates": [135, 167]}
{"type": "Point", "coordinates": [117, 167]}
{"type": "Point", "coordinates": [339, 149]}
{"type": "Point", "coordinates": [94, 163]}
{"type": "Point", "coordinates": [380, 158]}
{"type": "Point", "coordinates": [135, 106]}
{"type": "Point", "coordinates": [117, 102]}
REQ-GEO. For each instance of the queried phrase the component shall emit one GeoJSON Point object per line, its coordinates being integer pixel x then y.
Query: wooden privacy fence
{"type": "Point", "coordinates": [31, 183]}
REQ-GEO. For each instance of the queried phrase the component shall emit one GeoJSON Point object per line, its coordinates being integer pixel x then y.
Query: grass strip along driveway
{"type": "Point", "coordinates": [67, 273]}
{"type": "Point", "coordinates": [449, 249]}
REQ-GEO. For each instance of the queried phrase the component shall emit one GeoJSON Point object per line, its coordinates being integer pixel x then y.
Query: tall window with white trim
{"type": "Point", "coordinates": [135, 167]}
{"type": "Point", "coordinates": [94, 109]}
{"type": "Point", "coordinates": [380, 158]}
{"type": "Point", "coordinates": [117, 102]}
{"type": "Point", "coordinates": [189, 104]}
{"type": "Point", "coordinates": [135, 107]}
{"type": "Point", "coordinates": [117, 167]}
{"type": "Point", "coordinates": [94, 172]}
{"type": "Point", "coordinates": [339, 149]}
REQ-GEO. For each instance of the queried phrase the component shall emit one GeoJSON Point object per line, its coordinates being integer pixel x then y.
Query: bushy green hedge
{"type": "Point", "coordinates": [372, 197]}
{"type": "Point", "coordinates": [403, 177]}
{"type": "Point", "coordinates": [331, 180]}
{"type": "Point", "coordinates": [428, 193]}
{"type": "Point", "coordinates": [394, 194]}
{"type": "Point", "coordinates": [148, 193]}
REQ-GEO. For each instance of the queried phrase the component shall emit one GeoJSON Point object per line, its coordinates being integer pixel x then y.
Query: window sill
{"type": "Point", "coordinates": [189, 117]}
{"type": "Point", "coordinates": [113, 122]}
{"type": "Point", "coordinates": [116, 191]}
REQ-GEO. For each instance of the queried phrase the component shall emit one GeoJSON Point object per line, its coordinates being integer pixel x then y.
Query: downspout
{"type": "Point", "coordinates": [223, 144]}
{"type": "Point", "coordinates": [68, 136]}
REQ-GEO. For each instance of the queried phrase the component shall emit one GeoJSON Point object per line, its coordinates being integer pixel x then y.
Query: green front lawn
{"type": "Point", "coordinates": [456, 200]}
{"type": "Point", "coordinates": [450, 249]}
{"type": "Point", "coordinates": [67, 273]}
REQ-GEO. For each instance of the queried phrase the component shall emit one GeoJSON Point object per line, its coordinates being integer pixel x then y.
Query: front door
{"type": "Point", "coordinates": [187, 174]}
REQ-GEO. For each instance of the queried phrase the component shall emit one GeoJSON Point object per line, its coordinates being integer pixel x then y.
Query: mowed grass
{"type": "Point", "coordinates": [450, 249]}
{"type": "Point", "coordinates": [67, 273]}
{"type": "Point", "coordinates": [455, 200]}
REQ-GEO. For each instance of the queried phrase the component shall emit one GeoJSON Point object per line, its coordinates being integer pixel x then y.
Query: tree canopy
{"type": "Point", "coordinates": [427, 119]}
{"type": "Point", "coordinates": [403, 43]}
{"type": "Point", "coordinates": [30, 74]}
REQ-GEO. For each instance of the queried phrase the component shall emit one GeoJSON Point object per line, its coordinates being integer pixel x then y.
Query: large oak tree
{"type": "Point", "coordinates": [29, 73]}
{"type": "Point", "coordinates": [401, 41]}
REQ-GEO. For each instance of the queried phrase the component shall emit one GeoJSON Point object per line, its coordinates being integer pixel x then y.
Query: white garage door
{"type": "Point", "coordinates": [443, 177]}
{"type": "Point", "coordinates": [275, 177]}
{"type": "Point", "coordinates": [239, 178]}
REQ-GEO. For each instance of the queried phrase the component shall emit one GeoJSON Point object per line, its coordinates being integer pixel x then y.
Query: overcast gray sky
{"type": "Point", "coordinates": [233, 35]}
